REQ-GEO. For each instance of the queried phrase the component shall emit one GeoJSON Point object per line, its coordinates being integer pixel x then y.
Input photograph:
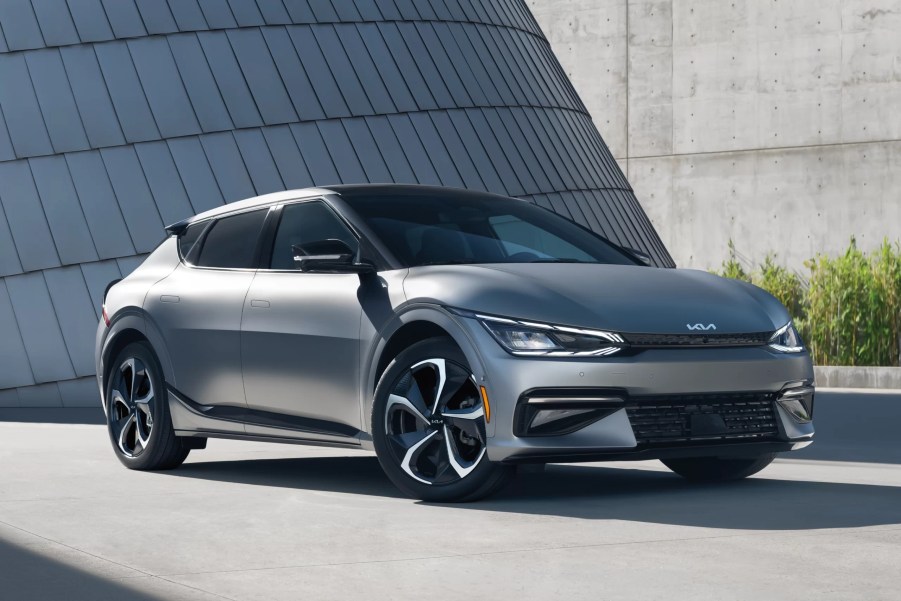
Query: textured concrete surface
{"type": "Point", "coordinates": [858, 377]}
{"type": "Point", "coordinates": [771, 123]}
{"type": "Point", "coordinates": [248, 521]}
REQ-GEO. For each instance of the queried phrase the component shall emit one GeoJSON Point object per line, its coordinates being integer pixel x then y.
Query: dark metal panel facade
{"type": "Point", "coordinates": [26, 126]}
{"type": "Point", "coordinates": [188, 15]}
{"type": "Point", "coordinates": [95, 107]}
{"type": "Point", "coordinates": [63, 210]}
{"type": "Point", "coordinates": [142, 216]}
{"type": "Point", "coordinates": [91, 20]}
{"type": "Point", "coordinates": [25, 217]}
{"type": "Point", "coordinates": [259, 162]}
{"type": "Point", "coordinates": [39, 327]}
{"type": "Point", "coordinates": [124, 18]}
{"type": "Point", "coordinates": [196, 174]}
{"type": "Point", "coordinates": [98, 201]}
{"type": "Point", "coordinates": [206, 100]}
{"type": "Point", "coordinates": [55, 22]}
{"type": "Point", "coordinates": [16, 369]}
{"type": "Point", "coordinates": [163, 87]}
{"type": "Point", "coordinates": [118, 116]}
{"type": "Point", "coordinates": [165, 184]}
{"type": "Point", "coordinates": [125, 89]}
{"type": "Point", "coordinates": [20, 25]}
{"type": "Point", "coordinates": [72, 304]}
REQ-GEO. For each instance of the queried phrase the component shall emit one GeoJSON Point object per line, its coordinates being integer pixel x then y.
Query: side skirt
{"type": "Point", "coordinates": [351, 444]}
{"type": "Point", "coordinates": [190, 418]}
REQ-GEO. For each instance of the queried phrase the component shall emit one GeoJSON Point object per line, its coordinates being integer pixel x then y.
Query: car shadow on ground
{"type": "Point", "coordinates": [609, 493]}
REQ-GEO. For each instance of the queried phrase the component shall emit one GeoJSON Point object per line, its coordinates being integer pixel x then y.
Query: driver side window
{"type": "Point", "coordinates": [302, 223]}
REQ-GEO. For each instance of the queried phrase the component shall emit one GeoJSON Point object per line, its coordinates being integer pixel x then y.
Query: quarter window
{"type": "Point", "coordinates": [232, 241]}
{"type": "Point", "coordinates": [306, 222]}
{"type": "Point", "coordinates": [189, 237]}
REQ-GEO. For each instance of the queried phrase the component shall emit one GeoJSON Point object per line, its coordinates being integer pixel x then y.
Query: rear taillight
{"type": "Point", "coordinates": [105, 316]}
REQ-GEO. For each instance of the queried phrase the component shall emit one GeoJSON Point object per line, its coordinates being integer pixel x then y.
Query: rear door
{"type": "Point", "coordinates": [300, 340]}
{"type": "Point", "coordinates": [198, 307]}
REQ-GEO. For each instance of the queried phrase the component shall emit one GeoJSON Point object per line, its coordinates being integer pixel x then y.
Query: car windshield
{"type": "Point", "coordinates": [429, 230]}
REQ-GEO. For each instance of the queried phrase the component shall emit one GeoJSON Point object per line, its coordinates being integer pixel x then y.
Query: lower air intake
{"type": "Point", "coordinates": [707, 417]}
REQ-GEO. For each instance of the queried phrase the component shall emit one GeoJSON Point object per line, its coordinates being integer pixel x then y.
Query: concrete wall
{"type": "Point", "coordinates": [776, 123]}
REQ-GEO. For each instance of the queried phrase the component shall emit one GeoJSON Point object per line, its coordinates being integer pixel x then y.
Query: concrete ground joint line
{"type": "Point", "coordinates": [194, 588]}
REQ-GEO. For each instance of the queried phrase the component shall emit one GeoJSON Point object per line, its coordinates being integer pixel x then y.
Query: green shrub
{"type": "Point", "coordinates": [783, 284]}
{"type": "Point", "coordinates": [732, 267]}
{"type": "Point", "coordinates": [849, 309]}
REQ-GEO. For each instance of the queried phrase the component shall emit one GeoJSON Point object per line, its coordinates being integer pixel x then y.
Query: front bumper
{"type": "Point", "coordinates": [653, 373]}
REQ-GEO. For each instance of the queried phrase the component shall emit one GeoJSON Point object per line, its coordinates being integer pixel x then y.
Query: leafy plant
{"type": "Point", "coordinates": [732, 267]}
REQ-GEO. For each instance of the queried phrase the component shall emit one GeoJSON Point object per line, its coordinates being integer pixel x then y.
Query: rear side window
{"type": "Point", "coordinates": [232, 241]}
{"type": "Point", "coordinates": [188, 238]}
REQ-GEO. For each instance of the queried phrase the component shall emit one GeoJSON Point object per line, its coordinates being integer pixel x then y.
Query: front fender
{"type": "Point", "coordinates": [425, 312]}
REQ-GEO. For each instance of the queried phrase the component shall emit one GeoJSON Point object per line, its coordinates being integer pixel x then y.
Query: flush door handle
{"type": "Point", "coordinates": [259, 304]}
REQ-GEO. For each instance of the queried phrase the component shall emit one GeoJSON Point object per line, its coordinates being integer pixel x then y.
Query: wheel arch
{"type": "Point", "coordinates": [129, 327]}
{"type": "Point", "coordinates": [414, 325]}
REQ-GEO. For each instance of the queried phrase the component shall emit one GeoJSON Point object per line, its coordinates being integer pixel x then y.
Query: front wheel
{"type": "Point", "coordinates": [428, 426]}
{"type": "Point", "coordinates": [718, 469]}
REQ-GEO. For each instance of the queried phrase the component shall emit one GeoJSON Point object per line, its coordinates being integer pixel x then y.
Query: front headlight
{"type": "Point", "coordinates": [786, 340]}
{"type": "Point", "coordinates": [539, 339]}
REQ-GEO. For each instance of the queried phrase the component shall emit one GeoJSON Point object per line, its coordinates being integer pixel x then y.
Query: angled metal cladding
{"type": "Point", "coordinates": [120, 116]}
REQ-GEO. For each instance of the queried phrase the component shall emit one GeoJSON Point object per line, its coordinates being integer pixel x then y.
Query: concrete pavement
{"type": "Point", "coordinates": [255, 521]}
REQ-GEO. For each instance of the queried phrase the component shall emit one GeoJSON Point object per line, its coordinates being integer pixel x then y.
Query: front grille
{"type": "Point", "coordinates": [686, 418]}
{"type": "Point", "coordinates": [705, 339]}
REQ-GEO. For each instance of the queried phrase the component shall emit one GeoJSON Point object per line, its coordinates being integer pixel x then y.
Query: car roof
{"type": "Point", "coordinates": [348, 191]}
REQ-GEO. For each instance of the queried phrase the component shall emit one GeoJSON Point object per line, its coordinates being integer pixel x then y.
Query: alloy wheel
{"type": "Point", "coordinates": [131, 407]}
{"type": "Point", "coordinates": [435, 422]}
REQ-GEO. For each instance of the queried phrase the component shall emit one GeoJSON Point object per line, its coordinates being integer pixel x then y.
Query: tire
{"type": "Point", "coordinates": [434, 450]}
{"type": "Point", "coordinates": [718, 469]}
{"type": "Point", "coordinates": [131, 412]}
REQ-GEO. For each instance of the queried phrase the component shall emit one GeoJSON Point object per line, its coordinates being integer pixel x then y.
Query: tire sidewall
{"type": "Point", "coordinates": [483, 478]}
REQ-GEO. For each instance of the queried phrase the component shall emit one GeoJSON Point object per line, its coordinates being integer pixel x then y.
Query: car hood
{"type": "Point", "coordinates": [620, 298]}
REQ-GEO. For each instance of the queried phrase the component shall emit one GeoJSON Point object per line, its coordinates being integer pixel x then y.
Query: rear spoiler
{"type": "Point", "coordinates": [178, 227]}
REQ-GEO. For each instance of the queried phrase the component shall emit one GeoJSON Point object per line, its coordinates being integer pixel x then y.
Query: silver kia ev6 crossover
{"type": "Point", "coordinates": [457, 334]}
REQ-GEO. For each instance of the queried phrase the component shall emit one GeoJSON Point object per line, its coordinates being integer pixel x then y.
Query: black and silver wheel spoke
{"type": "Point", "coordinates": [471, 421]}
{"type": "Point", "coordinates": [460, 465]}
{"type": "Point", "coordinates": [435, 422]}
{"type": "Point", "coordinates": [131, 407]}
{"type": "Point", "coordinates": [455, 386]}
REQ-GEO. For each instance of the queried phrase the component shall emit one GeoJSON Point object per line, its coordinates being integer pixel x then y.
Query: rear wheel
{"type": "Point", "coordinates": [428, 426]}
{"type": "Point", "coordinates": [137, 411]}
{"type": "Point", "coordinates": [718, 469]}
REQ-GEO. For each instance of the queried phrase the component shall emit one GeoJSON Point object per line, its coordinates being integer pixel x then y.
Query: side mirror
{"type": "Point", "coordinates": [328, 256]}
{"type": "Point", "coordinates": [641, 256]}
